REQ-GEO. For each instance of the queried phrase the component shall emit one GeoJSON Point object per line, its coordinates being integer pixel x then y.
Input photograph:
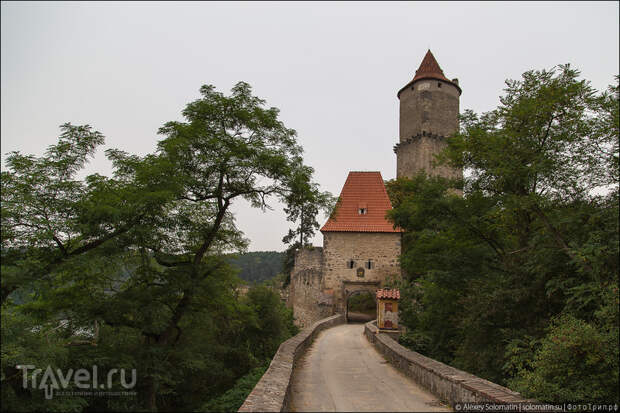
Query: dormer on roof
{"type": "Point", "coordinates": [362, 206]}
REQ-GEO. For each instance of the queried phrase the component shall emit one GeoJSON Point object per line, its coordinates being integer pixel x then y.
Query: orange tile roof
{"type": "Point", "coordinates": [388, 294]}
{"type": "Point", "coordinates": [429, 69]}
{"type": "Point", "coordinates": [362, 190]}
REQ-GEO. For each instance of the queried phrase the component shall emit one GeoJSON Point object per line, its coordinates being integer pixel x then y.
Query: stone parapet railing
{"type": "Point", "coordinates": [449, 384]}
{"type": "Point", "coordinates": [272, 392]}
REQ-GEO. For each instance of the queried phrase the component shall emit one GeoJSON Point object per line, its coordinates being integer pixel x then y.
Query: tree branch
{"type": "Point", "coordinates": [558, 237]}
{"type": "Point", "coordinates": [169, 264]}
{"type": "Point", "coordinates": [211, 235]}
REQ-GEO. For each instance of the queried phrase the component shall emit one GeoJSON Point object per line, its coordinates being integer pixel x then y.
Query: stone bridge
{"type": "Point", "coordinates": [334, 366]}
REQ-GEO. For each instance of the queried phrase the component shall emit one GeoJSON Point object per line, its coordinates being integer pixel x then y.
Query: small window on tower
{"type": "Point", "coordinates": [363, 211]}
{"type": "Point", "coordinates": [350, 264]}
{"type": "Point", "coordinates": [370, 264]}
{"type": "Point", "coordinates": [439, 84]}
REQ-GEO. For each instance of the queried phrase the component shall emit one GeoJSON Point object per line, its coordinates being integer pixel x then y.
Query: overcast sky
{"type": "Point", "coordinates": [333, 69]}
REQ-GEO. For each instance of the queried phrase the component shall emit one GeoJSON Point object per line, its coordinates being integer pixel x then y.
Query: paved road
{"type": "Point", "coordinates": [360, 317]}
{"type": "Point", "coordinates": [341, 371]}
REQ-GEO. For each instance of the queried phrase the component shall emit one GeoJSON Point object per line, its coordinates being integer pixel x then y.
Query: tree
{"type": "Point", "coordinates": [257, 266]}
{"type": "Point", "coordinates": [533, 240]}
{"type": "Point", "coordinates": [46, 218]}
{"type": "Point", "coordinates": [304, 201]}
{"type": "Point", "coordinates": [229, 148]}
{"type": "Point", "coordinates": [64, 242]}
{"type": "Point", "coordinates": [551, 139]}
{"type": "Point", "coordinates": [141, 254]}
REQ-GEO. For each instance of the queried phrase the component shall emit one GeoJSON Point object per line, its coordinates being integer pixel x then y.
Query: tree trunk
{"type": "Point", "coordinates": [151, 394]}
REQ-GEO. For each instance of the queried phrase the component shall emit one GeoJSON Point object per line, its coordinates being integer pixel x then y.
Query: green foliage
{"type": "Point", "coordinates": [416, 341]}
{"type": "Point", "coordinates": [135, 265]}
{"type": "Point", "coordinates": [576, 361]}
{"type": "Point", "coordinates": [274, 323]}
{"type": "Point", "coordinates": [232, 400]}
{"type": "Point", "coordinates": [531, 250]}
{"type": "Point", "coordinates": [26, 341]}
{"type": "Point", "coordinates": [259, 266]}
{"type": "Point", "coordinates": [289, 262]}
{"type": "Point", "coordinates": [304, 200]}
{"type": "Point", "coordinates": [46, 216]}
{"type": "Point", "coordinates": [362, 303]}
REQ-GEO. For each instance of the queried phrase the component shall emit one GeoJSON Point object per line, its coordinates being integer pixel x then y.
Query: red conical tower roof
{"type": "Point", "coordinates": [429, 69]}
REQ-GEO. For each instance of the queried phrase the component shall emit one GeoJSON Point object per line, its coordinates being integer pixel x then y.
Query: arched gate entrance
{"type": "Point", "coordinates": [356, 293]}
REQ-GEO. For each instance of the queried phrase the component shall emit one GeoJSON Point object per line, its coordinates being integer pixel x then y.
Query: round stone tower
{"type": "Point", "coordinates": [429, 108]}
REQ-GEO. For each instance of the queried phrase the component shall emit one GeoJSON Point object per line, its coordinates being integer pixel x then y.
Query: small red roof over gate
{"type": "Point", "coordinates": [388, 294]}
{"type": "Point", "coordinates": [362, 191]}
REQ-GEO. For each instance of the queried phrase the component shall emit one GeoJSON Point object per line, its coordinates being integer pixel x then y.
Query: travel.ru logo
{"type": "Point", "coordinates": [83, 379]}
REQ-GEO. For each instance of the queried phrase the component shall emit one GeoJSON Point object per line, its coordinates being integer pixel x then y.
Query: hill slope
{"type": "Point", "coordinates": [258, 266]}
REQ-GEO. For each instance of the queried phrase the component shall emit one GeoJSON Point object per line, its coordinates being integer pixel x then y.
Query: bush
{"type": "Point", "coordinates": [362, 303]}
{"type": "Point", "coordinates": [576, 362]}
{"type": "Point", "coordinates": [232, 400]}
{"type": "Point", "coordinates": [415, 341]}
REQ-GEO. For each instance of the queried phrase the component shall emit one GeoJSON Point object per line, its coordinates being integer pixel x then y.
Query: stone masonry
{"type": "Point", "coordinates": [383, 249]}
{"type": "Point", "coordinates": [306, 292]}
{"type": "Point", "coordinates": [429, 108]}
{"type": "Point", "coordinates": [361, 248]}
{"type": "Point", "coordinates": [321, 280]}
{"type": "Point", "coordinates": [360, 252]}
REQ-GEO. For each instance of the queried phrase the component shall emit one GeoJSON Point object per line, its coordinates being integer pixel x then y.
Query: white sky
{"type": "Point", "coordinates": [333, 69]}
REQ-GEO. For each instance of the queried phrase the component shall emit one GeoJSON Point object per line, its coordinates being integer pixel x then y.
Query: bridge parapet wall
{"type": "Point", "coordinates": [272, 392]}
{"type": "Point", "coordinates": [449, 384]}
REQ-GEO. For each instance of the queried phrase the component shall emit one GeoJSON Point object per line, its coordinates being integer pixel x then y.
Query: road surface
{"type": "Point", "coordinates": [360, 317]}
{"type": "Point", "coordinates": [341, 371]}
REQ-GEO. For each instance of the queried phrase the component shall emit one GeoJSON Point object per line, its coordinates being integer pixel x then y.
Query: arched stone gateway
{"type": "Point", "coordinates": [353, 288]}
{"type": "Point", "coordinates": [360, 252]}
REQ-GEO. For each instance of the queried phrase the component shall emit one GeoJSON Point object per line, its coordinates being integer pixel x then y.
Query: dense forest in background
{"type": "Point", "coordinates": [133, 273]}
{"type": "Point", "coordinates": [517, 281]}
{"type": "Point", "coordinates": [257, 266]}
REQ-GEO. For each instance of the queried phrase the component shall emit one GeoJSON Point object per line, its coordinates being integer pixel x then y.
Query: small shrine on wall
{"type": "Point", "coordinates": [387, 309]}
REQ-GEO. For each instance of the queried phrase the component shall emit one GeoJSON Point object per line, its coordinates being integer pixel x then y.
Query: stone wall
{"type": "Point", "coordinates": [321, 281]}
{"type": "Point", "coordinates": [306, 295]}
{"type": "Point", "coordinates": [431, 106]}
{"type": "Point", "coordinates": [449, 384]}
{"type": "Point", "coordinates": [428, 114]}
{"type": "Point", "coordinates": [340, 247]}
{"type": "Point", "coordinates": [272, 392]}
{"type": "Point", "coordinates": [417, 154]}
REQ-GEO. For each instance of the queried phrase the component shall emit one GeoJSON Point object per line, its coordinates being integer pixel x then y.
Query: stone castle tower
{"type": "Point", "coordinates": [429, 108]}
{"type": "Point", "coordinates": [361, 247]}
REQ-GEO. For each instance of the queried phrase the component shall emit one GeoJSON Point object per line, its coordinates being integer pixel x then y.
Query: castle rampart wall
{"type": "Point", "coordinates": [307, 298]}
{"type": "Point", "coordinates": [417, 154]}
